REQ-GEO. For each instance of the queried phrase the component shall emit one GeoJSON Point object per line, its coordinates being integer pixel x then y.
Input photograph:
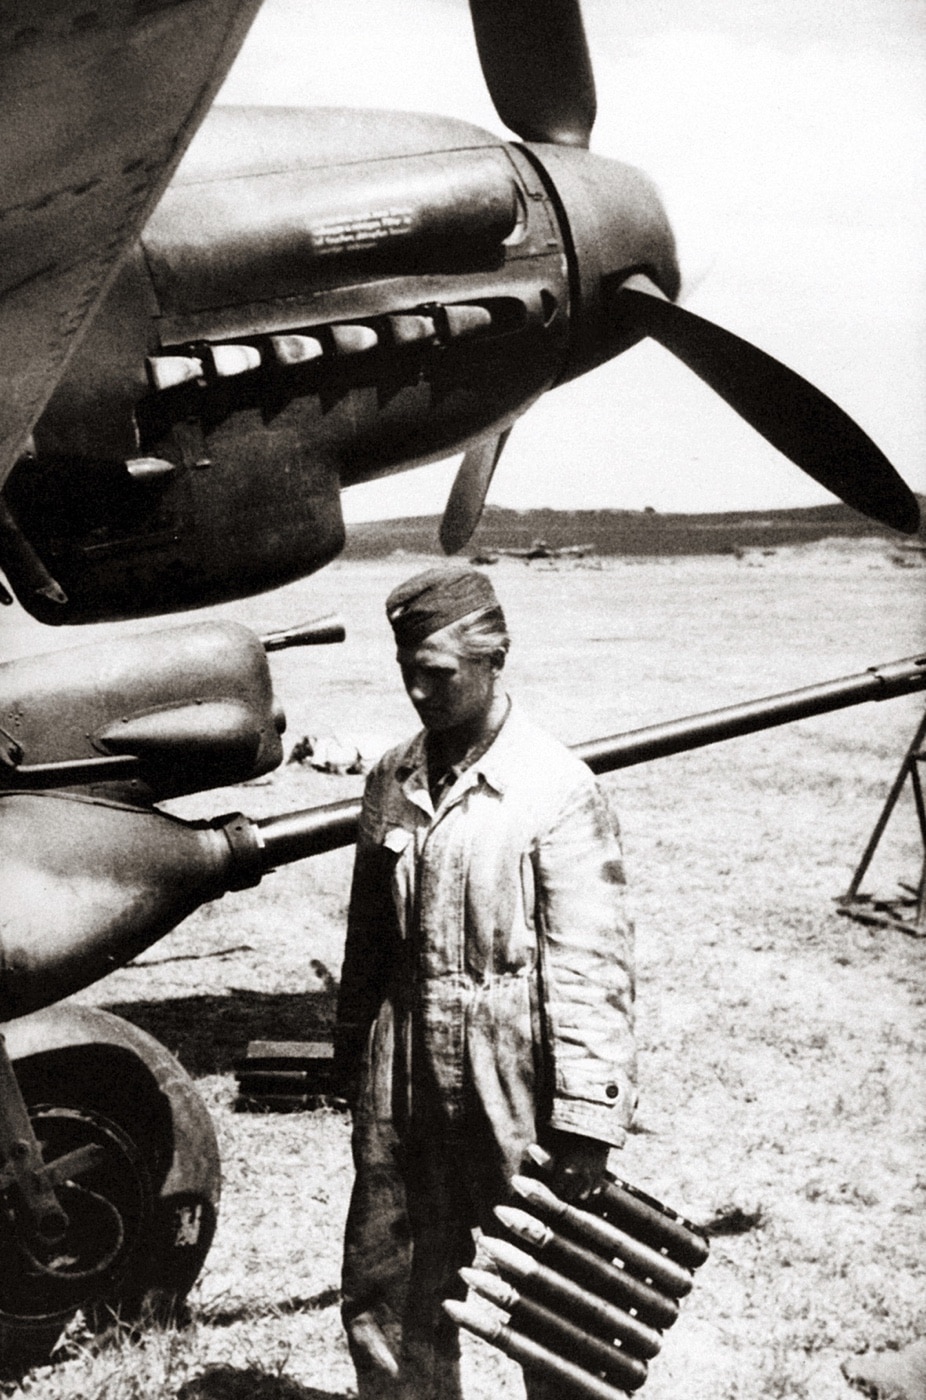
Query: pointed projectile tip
{"type": "Point", "coordinates": [463, 1315]}
{"type": "Point", "coordinates": [490, 1286]}
{"type": "Point", "coordinates": [508, 1257]}
{"type": "Point", "coordinates": [530, 1189]}
{"type": "Point", "coordinates": [522, 1224]}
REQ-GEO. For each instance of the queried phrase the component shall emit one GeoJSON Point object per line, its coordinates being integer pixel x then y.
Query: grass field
{"type": "Point", "coordinates": [781, 1044]}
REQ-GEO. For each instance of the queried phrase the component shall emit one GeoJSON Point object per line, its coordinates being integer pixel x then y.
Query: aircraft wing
{"type": "Point", "coordinates": [99, 104]}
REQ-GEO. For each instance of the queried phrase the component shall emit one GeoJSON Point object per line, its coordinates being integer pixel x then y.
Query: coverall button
{"type": "Point", "coordinates": [612, 1091]}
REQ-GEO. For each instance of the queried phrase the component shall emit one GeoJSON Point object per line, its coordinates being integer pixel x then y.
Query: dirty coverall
{"type": "Point", "coordinates": [486, 996]}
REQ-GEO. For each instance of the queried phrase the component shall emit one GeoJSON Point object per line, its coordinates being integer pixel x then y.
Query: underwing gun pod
{"type": "Point", "coordinates": [109, 1168]}
{"type": "Point", "coordinates": [588, 1290]}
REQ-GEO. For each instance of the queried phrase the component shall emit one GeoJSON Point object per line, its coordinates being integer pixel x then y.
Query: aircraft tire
{"type": "Point", "coordinates": [142, 1217]}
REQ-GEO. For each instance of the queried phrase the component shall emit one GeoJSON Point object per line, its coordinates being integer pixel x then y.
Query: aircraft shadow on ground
{"type": "Point", "coordinates": [208, 1033]}
{"type": "Point", "coordinates": [231, 1383]}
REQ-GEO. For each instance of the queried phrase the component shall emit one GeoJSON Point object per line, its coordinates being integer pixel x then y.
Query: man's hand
{"type": "Point", "coordinates": [577, 1164]}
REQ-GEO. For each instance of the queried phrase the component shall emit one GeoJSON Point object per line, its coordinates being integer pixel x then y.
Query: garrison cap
{"type": "Point", "coordinates": [435, 598]}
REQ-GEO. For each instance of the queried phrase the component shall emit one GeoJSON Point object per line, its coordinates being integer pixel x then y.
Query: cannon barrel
{"type": "Point", "coordinates": [150, 870]}
{"type": "Point", "coordinates": [694, 731]}
{"type": "Point", "coordinates": [317, 829]}
{"type": "Point", "coordinates": [321, 631]}
{"type": "Point", "coordinates": [311, 832]}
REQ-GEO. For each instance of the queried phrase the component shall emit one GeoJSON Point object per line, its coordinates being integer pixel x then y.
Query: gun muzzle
{"type": "Point", "coordinates": [320, 632]}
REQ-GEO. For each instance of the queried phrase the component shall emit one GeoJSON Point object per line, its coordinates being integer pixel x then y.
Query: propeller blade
{"type": "Point", "coordinates": [785, 409]}
{"type": "Point", "coordinates": [468, 492]}
{"type": "Point", "coordinates": [537, 68]}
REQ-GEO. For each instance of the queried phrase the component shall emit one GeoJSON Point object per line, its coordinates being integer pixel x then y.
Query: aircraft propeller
{"type": "Point", "coordinates": [468, 492]}
{"type": "Point", "coordinates": [537, 68]}
{"type": "Point", "coordinates": [791, 414]}
{"type": "Point", "coordinates": [536, 64]}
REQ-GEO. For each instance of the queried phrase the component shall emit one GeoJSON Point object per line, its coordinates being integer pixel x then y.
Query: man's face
{"type": "Point", "coordinates": [447, 690]}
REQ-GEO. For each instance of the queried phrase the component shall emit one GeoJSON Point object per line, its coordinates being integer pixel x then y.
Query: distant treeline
{"type": "Point", "coordinates": [623, 531]}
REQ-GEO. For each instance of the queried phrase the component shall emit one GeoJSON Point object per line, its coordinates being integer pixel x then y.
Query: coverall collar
{"type": "Point", "coordinates": [493, 766]}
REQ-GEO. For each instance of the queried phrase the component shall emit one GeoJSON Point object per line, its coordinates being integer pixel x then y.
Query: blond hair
{"type": "Point", "coordinates": [479, 633]}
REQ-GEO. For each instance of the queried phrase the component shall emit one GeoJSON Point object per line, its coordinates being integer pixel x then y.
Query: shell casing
{"type": "Point", "coordinates": [642, 1216]}
{"type": "Point", "coordinates": [589, 1269]}
{"type": "Point", "coordinates": [571, 1380]}
{"type": "Point", "coordinates": [651, 1222]}
{"type": "Point", "coordinates": [567, 1338]}
{"type": "Point", "coordinates": [603, 1319]}
{"type": "Point", "coordinates": [570, 1342]}
{"type": "Point", "coordinates": [644, 1262]}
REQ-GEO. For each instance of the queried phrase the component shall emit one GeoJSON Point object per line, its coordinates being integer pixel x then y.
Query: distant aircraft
{"type": "Point", "coordinates": [539, 549]}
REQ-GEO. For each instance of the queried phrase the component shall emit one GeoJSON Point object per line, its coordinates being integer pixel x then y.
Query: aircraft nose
{"type": "Point", "coordinates": [614, 224]}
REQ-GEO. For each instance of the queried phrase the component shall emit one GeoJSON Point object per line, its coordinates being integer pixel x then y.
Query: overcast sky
{"type": "Point", "coordinates": [789, 140]}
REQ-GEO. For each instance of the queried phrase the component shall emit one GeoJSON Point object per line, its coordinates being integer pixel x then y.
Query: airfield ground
{"type": "Point", "coordinates": [781, 1044]}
